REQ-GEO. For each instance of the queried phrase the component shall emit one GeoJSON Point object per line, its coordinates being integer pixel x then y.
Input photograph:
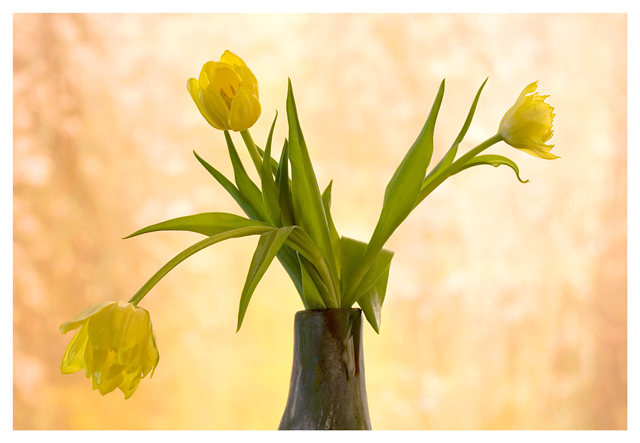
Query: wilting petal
{"type": "Point", "coordinates": [81, 318]}
{"type": "Point", "coordinates": [113, 346]}
{"type": "Point", "coordinates": [73, 359]}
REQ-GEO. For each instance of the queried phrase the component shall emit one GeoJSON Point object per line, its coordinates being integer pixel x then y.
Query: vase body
{"type": "Point", "coordinates": [327, 389]}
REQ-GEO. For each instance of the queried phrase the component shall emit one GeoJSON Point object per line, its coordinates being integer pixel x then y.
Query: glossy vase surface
{"type": "Point", "coordinates": [327, 389]}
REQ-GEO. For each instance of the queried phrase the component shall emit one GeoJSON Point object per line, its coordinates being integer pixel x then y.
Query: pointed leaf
{"type": "Point", "coordinates": [335, 237]}
{"type": "Point", "coordinates": [245, 204]}
{"type": "Point", "coordinates": [244, 183]}
{"type": "Point", "coordinates": [450, 156]}
{"type": "Point", "coordinates": [284, 190]}
{"type": "Point", "coordinates": [312, 298]}
{"type": "Point", "coordinates": [493, 160]}
{"type": "Point", "coordinates": [175, 261]}
{"type": "Point", "coordinates": [307, 201]}
{"type": "Point", "coordinates": [268, 246]}
{"type": "Point", "coordinates": [207, 223]}
{"type": "Point", "coordinates": [351, 252]}
{"type": "Point", "coordinates": [289, 261]}
{"type": "Point", "coordinates": [274, 163]}
{"type": "Point", "coordinates": [371, 302]}
{"type": "Point", "coordinates": [400, 196]}
{"type": "Point", "coordinates": [269, 189]}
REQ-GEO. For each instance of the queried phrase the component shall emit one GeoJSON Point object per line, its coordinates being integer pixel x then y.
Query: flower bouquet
{"type": "Point", "coordinates": [286, 209]}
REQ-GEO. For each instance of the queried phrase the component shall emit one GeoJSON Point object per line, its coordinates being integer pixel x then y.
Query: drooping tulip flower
{"type": "Point", "coordinates": [115, 346]}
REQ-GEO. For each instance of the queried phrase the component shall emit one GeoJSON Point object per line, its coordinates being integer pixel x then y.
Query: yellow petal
{"type": "Point", "coordinates": [129, 385]}
{"type": "Point", "coordinates": [96, 365]}
{"type": "Point", "coordinates": [150, 357]}
{"type": "Point", "coordinates": [79, 319]}
{"type": "Point", "coordinates": [231, 59]}
{"type": "Point", "coordinates": [215, 107]}
{"type": "Point", "coordinates": [226, 82]}
{"type": "Point", "coordinates": [245, 110]}
{"type": "Point", "coordinates": [99, 328]}
{"type": "Point", "coordinates": [129, 325]}
{"type": "Point", "coordinates": [205, 73]}
{"type": "Point", "coordinates": [249, 81]}
{"type": "Point", "coordinates": [73, 359]}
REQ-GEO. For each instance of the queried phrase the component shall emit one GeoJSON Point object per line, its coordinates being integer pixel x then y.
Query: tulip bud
{"type": "Point", "coordinates": [226, 93]}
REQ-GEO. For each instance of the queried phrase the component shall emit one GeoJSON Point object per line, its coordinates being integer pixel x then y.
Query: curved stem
{"type": "Point", "coordinates": [175, 261]}
{"type": "Point", "coordinates": [457, 165]}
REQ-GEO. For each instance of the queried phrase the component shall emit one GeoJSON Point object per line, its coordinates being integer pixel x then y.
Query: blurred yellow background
{"type": "Point", "coordinates": [506, 306]}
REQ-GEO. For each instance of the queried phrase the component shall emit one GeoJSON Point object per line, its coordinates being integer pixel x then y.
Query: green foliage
{"type": "Point", "coordinates": [295, 224]}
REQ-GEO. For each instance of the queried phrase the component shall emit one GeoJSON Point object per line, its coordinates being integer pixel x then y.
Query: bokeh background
{"type": "Point", "coordinates": [506, 306]}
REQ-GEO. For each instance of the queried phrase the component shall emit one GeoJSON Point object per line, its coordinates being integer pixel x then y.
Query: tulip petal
{"type": "Point", "coordinates": [245, 110]}
{"type": "Point", "coordinates": [231, 59]}
{"type": "Point", "coordinates": [226, 81]}
{"type": "Point", "coordinates": [206, 73]}
{"type": "Point", "coordinates": [100, 330]}
{"type": "Point", "coordinates": [115, 341]}
{"type": "Point", "coordinates": [249, 81]}
{"type": "Point", "coordinates": [215, 107]}
{"type": "Point", "coordinates": [528, 124]}
{"type": "Point", "coordinates": [73, 358]}
{"type": "Point", "coordinates": [79, 319]}
{"type": "Point", "coordinates": [193, 86]}
{"type": "Point", "coordinates": [129, 386]}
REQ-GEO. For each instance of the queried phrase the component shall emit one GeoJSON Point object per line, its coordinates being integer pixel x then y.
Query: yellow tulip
{"type": "Point", "coordinates": [528, 125]}
{"type": "Point", "coordinates": [115, 346]}
{"type": "Point", "coordinates": [227, 93]}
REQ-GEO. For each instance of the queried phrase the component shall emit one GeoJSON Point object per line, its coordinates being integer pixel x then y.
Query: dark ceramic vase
{"type": "Point", "coordinates": [327, 389]}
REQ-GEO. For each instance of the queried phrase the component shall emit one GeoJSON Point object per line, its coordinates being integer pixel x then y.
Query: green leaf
{"type": "Point", "coordinates": [493, 160]}
{"type": "Point", "coordinates": [269, 189]}
{"type": "Point", "coordinates": [207, 223]}
{"type": "Point", "coordinates": [312, 260]}
{"type": "Point", "coordinates": [242, 201]}
{"type": "Point", "coordinates": [244, 183]}
{"type": "Point", "coordinates": [401, 194]}
{"type": "Point", "coordinates": [335, 237]}
{"type": "Point", "coordinates": [371, 302]}
{"type": "Point", "coordinates": [274, 163]}
{"type": "Point", "coordinates": [307, 201]}
{"type": "Point", "coordinates": [418, 156]}
{"type": "Point", "coordinates": [289, 261]}
{"type": "Point", "coordinates": [268, 246]}
{"type": "Point", "coordinates": [287, 256]}
{"type": "Point", "coordinates": [351, 253]}
{"type": "Point", "coordinates": [284, 191]}
{"type": "Point", "coordinates": [312, 298]}
{"type": "Point", "coordinates": [175, 261]}
{"type": "Point", "coordinates": [450, 156]}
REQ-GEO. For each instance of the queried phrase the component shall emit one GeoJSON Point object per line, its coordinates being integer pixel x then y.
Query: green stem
{"type": "Point", "coordinates": [175, 261]}
{"type": "Point", "coordinates": [451, 170]}
{"type": "Point", "coordinates": [456, 166]}
{"type": "Point", "coordinates": [253, 150]}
